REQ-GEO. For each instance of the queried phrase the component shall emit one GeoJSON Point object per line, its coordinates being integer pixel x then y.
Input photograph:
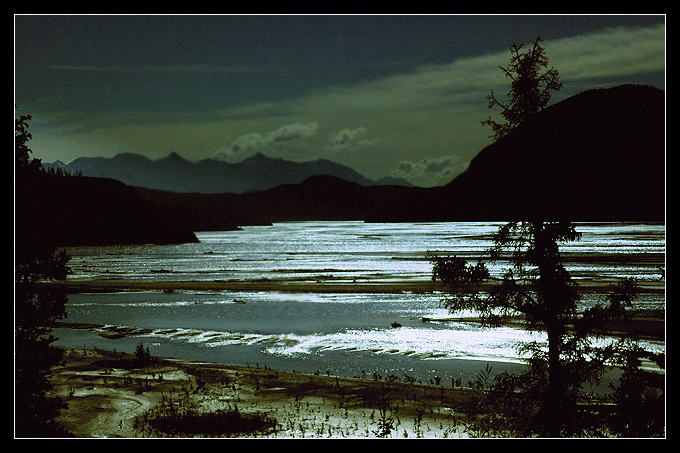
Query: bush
{"type": "Point", "coordinates": [179, 416]}
{"type": "Point", "coordinates": [142, 355]}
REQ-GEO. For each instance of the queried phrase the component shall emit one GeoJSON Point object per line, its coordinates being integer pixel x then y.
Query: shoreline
{"type": "Point", "coordinates": [281, 285]}
{"type": "Point", "coordinates": [105, 394]}
{"type": "Point", "coordinates": [110, 394]}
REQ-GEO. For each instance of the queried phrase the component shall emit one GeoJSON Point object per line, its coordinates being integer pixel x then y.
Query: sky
{"type": "Point", "coordinates": [387, 95]}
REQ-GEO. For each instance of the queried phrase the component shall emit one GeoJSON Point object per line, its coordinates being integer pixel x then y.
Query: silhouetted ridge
{"type": "Point", "coordinates": [328, 182]}
{"type": "Point", "coordinates": [599, 155]}
{"type": "Point", "coordinates": [96, 211]}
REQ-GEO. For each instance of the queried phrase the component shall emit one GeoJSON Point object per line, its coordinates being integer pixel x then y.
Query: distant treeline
{"type": "Point", "coordinates": [60, 172]}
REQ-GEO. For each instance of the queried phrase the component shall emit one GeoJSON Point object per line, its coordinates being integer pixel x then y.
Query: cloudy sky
{"type": "Point", "coordinates": [386, 95]}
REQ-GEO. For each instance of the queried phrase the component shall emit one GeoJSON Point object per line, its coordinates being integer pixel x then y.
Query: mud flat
{"type": "Point", "coordinates": [107, 395]}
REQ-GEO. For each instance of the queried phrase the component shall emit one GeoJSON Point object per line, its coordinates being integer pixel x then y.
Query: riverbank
{"type": "Point", "coordinates": [112, 394]}
{"type": "Point", "coordinates": [108, 395]}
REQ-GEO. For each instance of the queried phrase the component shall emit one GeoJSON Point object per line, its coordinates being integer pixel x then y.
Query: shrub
{"type": "Point", "coordinates": [180, 416]}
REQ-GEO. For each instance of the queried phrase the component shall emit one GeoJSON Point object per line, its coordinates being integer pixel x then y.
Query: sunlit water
{"type": "Point", "coordinates": [346, 334]}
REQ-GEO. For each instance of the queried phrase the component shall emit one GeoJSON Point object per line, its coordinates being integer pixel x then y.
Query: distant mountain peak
{"type": "Point", "coordinates": [174, 157]}
{"type": "Point", "coordinates": [259, 157]}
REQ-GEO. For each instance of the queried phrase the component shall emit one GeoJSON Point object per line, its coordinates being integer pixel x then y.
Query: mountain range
{"type": "Point", "coordinates": [177, 174]}
{"type": "Point", "coordinates": [597, 156]}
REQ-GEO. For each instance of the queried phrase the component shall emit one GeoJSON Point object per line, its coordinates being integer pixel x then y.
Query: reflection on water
{"type": "Point", "coordinates": [340, 332]}
{"type": "Point", "coordinates": [356, 250]}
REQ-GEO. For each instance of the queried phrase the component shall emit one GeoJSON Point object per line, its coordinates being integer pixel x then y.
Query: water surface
{"type": "Point", "coordinates": [341, 333]}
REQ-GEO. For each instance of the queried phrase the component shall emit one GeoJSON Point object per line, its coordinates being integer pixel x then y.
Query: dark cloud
{"type": "Point", "coordinates": [411, 87]}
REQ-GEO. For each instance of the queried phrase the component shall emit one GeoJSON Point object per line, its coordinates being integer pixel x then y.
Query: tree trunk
{"type": "Point", "coordinates": [548, 289]}
{"type": "Point", "coordinates": [555, 390]}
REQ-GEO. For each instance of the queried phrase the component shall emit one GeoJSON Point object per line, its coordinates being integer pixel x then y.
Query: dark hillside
{"type": "Point", "coordinates": [320, 197]}
{"type": "Point", "coordinates": [597, 156]}
{"type": "Point", "coordinates": [96, 211]}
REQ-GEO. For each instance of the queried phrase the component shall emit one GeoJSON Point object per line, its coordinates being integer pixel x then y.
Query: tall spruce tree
{"type": "Point", "coordinates": [539, 289]}
{"type": "Point", "coordinates": [531, 87]}
{"type": "Point", "coordinates": [536, 287]}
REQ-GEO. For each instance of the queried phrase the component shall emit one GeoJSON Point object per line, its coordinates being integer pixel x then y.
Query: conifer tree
{"type": "Point", "coordinates": [35, 306]}
{"type": "Point", "coordinates": [530, 88]}
{"type": "Point", "coordinates": [537, 288]}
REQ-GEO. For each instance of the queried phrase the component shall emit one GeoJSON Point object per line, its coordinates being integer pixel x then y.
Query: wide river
{"type": "Point", "coordinates": [342, 332]}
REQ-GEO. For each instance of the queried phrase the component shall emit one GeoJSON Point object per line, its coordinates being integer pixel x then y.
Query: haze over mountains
{"type": "Point", "coordinates": [176, 174]}
{"type": "Point", "coordinates": [597, 156]}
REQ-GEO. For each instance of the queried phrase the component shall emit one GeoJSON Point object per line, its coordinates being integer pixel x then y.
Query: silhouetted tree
{"type": "Point", "coordinates": [142, 355]}
{"type": "Point", "coordinates": [35, 306]}
{"type": "Point", "coordinates": [530, 88]}
{"type": "Point", "coordinates": [639, 397]}
{"type": "Point", "coordinates": [538, 288]}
